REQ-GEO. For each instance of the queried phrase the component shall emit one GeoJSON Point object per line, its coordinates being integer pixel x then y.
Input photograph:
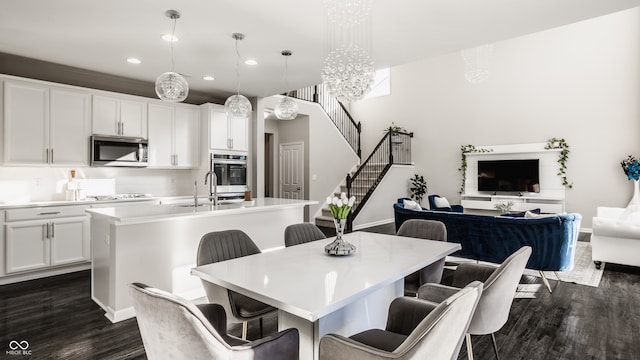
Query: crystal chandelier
{"type": "Point", "coordinates": [348, 70]}
{"type": "Point", "coordinates": [287, 108]}
{"type": "Point", "coordinates": [476, 63]}
{"type": "Point", "coordinates": [237, 106]}
{"type": "Point", "coordinates": [171, 86]}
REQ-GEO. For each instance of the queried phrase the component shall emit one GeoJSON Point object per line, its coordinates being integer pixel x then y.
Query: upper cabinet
{"type": "Point", "coordinates": [45, 125]}
{"type": "Point", "coordinates": [119, 116]}
{"type": "Point", "coordinates": [225, 134]}
{"type": "Point", "coordinates": [174, 136]}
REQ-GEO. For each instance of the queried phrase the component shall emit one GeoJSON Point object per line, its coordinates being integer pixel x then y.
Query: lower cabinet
{"type": "Point", "coordinates": [46, 242]}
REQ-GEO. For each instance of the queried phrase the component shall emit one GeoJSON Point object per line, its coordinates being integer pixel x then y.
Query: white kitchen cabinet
{"type": "Point", "coordinates": [119, 116]}
{"type": "Point", "coordinates": [39, 238]}
{"type": "Point", "coordinates": [45, 125]}
{"type": "Point", "coordinates": [224, 133]}
{"type": "Point", "coordinates": [173, 136]}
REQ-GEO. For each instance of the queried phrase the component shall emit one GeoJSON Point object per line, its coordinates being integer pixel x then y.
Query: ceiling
{"type": "Point", "coordinates": [100, 35]}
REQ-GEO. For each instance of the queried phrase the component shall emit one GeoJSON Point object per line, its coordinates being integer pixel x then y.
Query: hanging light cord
{"type": "Point", "coordinates": [238, 65]}
{"type": "Point", "coordinates": [286, 70]}
{"type": "Point", "coordinates": [173, 31]}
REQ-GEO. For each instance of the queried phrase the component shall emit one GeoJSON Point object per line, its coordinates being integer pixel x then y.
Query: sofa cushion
{"type": "Point", "coordinates": [441, 202]}
{"type": "Point", "coordinates": [410, 204]}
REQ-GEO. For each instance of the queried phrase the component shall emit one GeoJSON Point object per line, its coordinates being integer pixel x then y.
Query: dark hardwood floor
{"type": "Point", "coordinates": [58, 319]}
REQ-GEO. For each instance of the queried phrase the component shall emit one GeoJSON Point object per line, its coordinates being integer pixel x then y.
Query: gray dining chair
{"type": "Point", "coordinates": [225, 245]}
{"type": "Point", "coordinates": [500, 284]}
{"type": "Point", "coordinates": [416, 329]}
{"type": "Point", "coordinates": [297, 234]}
{"type": "Point", "coordinates": [173, 328]}
{"type": "Point", "coordinates": [423, 229]}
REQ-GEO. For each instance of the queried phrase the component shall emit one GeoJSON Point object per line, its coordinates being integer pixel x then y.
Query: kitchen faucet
{"type": "Point", "coordinates": [213, 186]}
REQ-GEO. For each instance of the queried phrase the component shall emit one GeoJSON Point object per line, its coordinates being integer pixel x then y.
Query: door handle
{"type": "Point", "coordinates": [298, 188]}
{"type": "Point", "coordinates": [53, 230]}
{"type": "Point", "coordinates": [51, 156]}
{"type": "Point", "coordinates": [45, 230]}
{"type": "Point", "coordinates": [46, 155]}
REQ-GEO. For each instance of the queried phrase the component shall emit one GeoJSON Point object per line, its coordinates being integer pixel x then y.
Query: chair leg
{"type": "Point", "coordinates": [546, 282]}
{"type": "Point", "coordinates": [495, 346]}
{"type": "Point", "coordinates": [244, 330]}
{"type": "Point", "coordinates": [467, 339]}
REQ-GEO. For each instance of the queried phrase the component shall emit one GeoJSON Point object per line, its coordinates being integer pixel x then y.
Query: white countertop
{"type": "Point", "coordinates": [302, 280]}
{"type": "Point", "coordinates": [151, 213]}
{"type": "Point", "coordinates": [44, 203]}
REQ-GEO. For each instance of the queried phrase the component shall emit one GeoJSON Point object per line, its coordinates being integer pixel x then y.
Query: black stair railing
{"type": "Point", "coordinates": [393, 148]}
{"type": "Point", "coordinates": [336, 111]}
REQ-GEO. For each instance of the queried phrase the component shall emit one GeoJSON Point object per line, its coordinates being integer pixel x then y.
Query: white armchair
{"type": "Point", "coordinates": [615, 237]}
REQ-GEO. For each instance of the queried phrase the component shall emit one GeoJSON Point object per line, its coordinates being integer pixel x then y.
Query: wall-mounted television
{"type": "Point", "coordinates": [509, 175]}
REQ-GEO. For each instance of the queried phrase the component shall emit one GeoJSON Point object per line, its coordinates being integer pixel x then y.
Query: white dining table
{"type": "Point", "coordinates": [319, 293]}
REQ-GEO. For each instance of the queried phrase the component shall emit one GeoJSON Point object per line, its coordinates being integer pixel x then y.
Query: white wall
{"type": "Point", "coordinates": [330, 157]}
{"type": "Point", "coordinates": [579, 82]}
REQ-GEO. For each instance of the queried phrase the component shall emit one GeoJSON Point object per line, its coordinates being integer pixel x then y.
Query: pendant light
{"type": "Point", "coordinates": [237, 106]}
{"type": "Point", "coordinates": [171, 86]}
{"type": "Point", "coordinates": [287, 108]}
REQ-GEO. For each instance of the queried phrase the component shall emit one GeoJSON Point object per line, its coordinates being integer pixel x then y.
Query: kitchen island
{"type": "Point", "coordinates": [157, 244]}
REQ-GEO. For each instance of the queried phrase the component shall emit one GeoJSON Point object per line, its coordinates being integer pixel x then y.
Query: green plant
{"type": "Point", "coordinates": [418, 187]}
{"type": "Point", "coordinates": [503, 207]}
{"type": "Point", "coordinates": [394, 129]}
{"type": "Point", "coordinates": [464, 149]}
{"type": "Point", "coordinates": [561, 144]}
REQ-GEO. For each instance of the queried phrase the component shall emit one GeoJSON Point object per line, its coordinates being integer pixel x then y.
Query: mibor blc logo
{"type": "Point", "coordinates": [18, 348]}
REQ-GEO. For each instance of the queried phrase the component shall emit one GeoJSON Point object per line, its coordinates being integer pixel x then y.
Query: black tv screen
{"type": "Point", "coordinates": [508, 175]}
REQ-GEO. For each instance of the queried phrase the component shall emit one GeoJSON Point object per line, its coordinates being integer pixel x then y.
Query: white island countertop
{"type": "Point", "coordinates": [152, 213]}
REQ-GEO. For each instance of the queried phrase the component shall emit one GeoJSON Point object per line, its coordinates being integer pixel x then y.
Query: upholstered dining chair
{"type": "Point", "coordinates": [500, 283]}
{"type": "Point", "coordinates": [423, 229]}
{"type": "Point", "coordinates": [173, 328]}
{"type": "Point", "coordinates": [225, 245]}
{"type": "Point", "coordinates": [297, 234]}
{"type": "Point", "coordinates": [416, 329]}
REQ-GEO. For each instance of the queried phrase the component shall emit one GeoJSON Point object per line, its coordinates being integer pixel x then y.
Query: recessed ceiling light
{"type": "Point", "coordinates": [169, 38]}
{"type": "Point", "coordinates": [251, 62]}
{"type": "Point", "coordinates": [208, 78]}
{"type": "Point", "coordinates": [134, 61]}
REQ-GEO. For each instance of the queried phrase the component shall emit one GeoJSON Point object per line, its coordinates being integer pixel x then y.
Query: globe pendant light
{"type": "Point", "coordinates": [348, 72]}
{"type": "Point", "coordinates": [238, 106]}
{"type": "Point", "coordinates": [171, 86]}
{"type": "Point", "coordinates": [287, 108]}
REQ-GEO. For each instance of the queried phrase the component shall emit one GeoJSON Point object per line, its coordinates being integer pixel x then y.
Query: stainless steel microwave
{"type": "Point", "coordinates": [119, 151]}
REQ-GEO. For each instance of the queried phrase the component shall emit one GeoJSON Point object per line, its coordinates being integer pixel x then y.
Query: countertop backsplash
{"type": "Point", "coordinates": [26, 184]}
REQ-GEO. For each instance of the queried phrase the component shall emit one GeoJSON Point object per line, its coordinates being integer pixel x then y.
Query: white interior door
{"type": "Point", "coordinates": [292, 170]}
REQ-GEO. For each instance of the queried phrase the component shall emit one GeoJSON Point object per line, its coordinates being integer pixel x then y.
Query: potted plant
{"type": "Point", "coordinates": [394, 130]}
{"type": "Point", "coordinates": [418, 187]}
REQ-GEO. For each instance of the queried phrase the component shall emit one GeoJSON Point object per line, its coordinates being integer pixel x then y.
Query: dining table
{"type": "Point", "coordinates": [319, 293]}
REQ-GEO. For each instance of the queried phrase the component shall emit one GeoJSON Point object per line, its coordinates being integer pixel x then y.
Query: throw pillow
{"type": "Point", "coordinates": [441, 202]}
{"type": "Point", "coordinates": [410, 204]}
{"type": "Point", "coordinates": [521, 213]}
{"type": "Point", "coordinates": [530, 215]}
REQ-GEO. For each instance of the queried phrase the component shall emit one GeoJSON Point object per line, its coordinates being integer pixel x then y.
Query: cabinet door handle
{"type": "Point", "coordinates": [51, 162]}
{"type": "Point", "coordinates": [46, 155]}
{"type": "Point", "coordinates": [49, 213]}
{"type": "Point", "coordinates": [45, 231]}
{"type": "Point", "coordinates": [53, 230]}
{"type": "Point", "coordinates": [176, 163]}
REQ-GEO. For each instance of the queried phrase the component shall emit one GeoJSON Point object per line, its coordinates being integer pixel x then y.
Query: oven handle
{"type": "Point", "coordinates": [232, 162]}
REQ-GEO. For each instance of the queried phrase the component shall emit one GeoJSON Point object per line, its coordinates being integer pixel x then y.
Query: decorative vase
{"type": "Point", "coordinates": [339, 246]}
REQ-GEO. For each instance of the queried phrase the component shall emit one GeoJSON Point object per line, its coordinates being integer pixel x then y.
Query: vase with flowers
{"type": "Point", "coordinates": [340, 208]}
{"type": "Point", "coordinates": [631, 168]}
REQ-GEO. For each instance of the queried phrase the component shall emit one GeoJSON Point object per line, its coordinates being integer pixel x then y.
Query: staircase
{"type": "Point", "coordinates": [393, 148]}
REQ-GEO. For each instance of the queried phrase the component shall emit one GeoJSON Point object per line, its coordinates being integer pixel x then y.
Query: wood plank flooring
{"type": "Point", "coordinates": [60, 321]}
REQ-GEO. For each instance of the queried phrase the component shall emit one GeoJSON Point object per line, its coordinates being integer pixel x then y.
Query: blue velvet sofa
{"type": "Point", "coordinates": [494, 238]}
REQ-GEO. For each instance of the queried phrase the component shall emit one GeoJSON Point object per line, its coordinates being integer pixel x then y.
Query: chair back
{"type": "Point", "coordinates": [499, 290]}
{"type": "Point", "coordinates": [224, 245]}
{"type": "Point", "coordinates": [441, 333]}
{"type": "Point", "coordinates": [169, 326]}
{"type": "Point", "coordinates": [423, 229]}
{"type": "Point", "coordinates": [297, 234]}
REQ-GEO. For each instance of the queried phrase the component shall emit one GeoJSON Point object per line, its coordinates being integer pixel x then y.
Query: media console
{"type": "Point", "coordinates": [550, 197]}
{"type": "Point", "coordinates": [520, 203]}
